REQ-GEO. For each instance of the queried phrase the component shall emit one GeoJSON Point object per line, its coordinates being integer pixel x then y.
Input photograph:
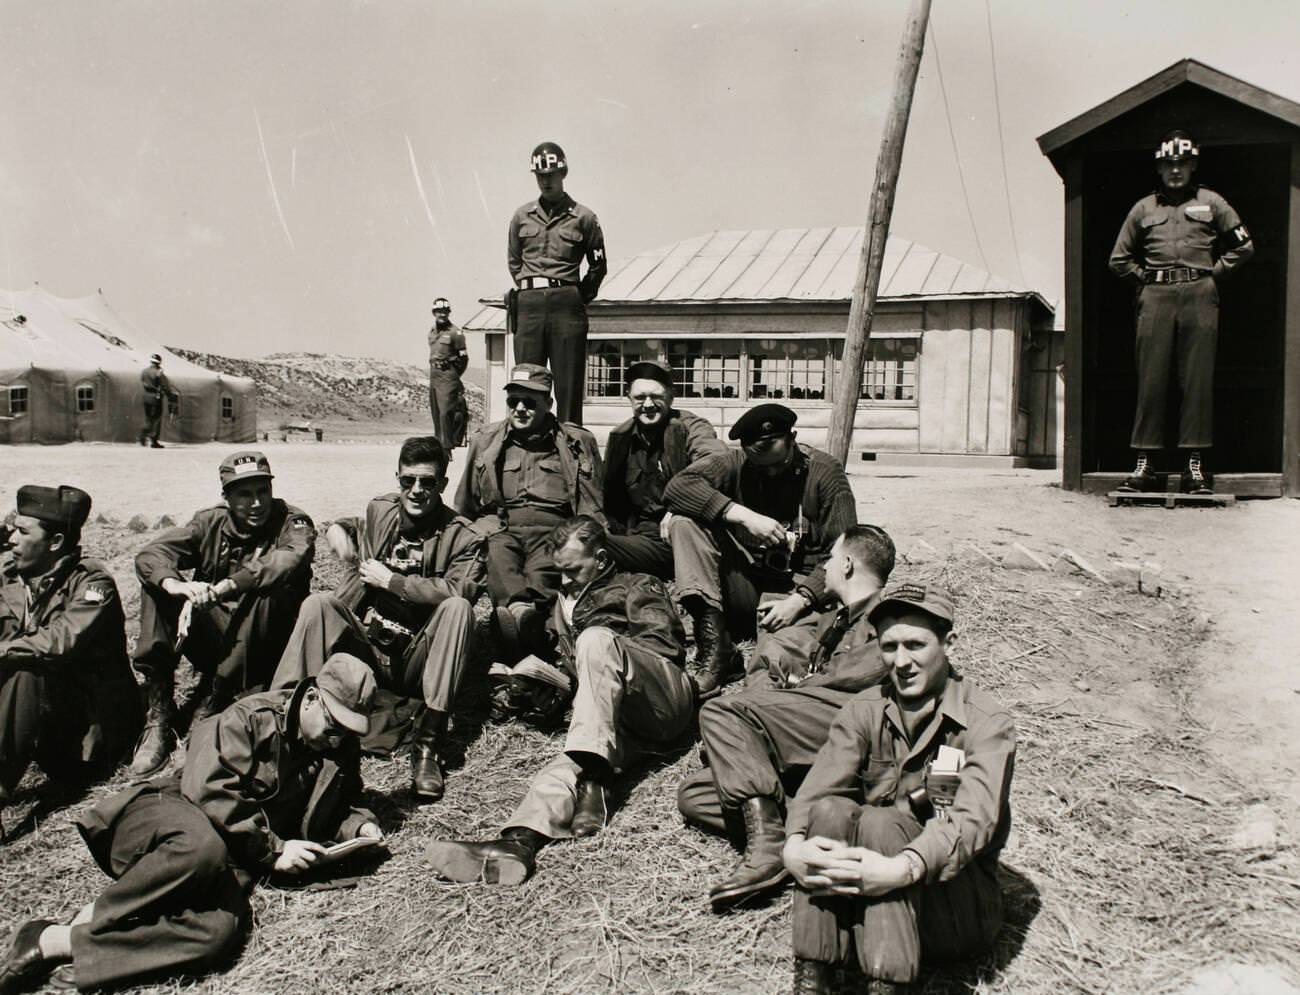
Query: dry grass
{"type": "Point", "coordinates": [1118, 875]}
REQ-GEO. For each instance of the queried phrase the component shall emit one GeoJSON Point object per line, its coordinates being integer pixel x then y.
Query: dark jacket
{"type": "Point", "coordinates": [635, 606]}
{"type": "Point", "coordinates": [279, 556]}
{"type": "Point", "coordinates": [687, 438]}
{"type": "Point", "coordinates": [705, 490]}
{"type": "Point", "coordinates": [845, 656]}
{"type": "Point", "coordinates": [74, 635]}
{"type": "Point", "coordinates": [479, 495]}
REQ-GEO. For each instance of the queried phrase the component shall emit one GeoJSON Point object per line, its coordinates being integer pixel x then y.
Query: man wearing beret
{"type": "Point", "coordinates": [250, 563]}
{"type": "Point", "coordinates": [752, 521]}
{"type": "Point", "coordinates": [524, 476]}
{"type": "Point", "coordinates": [448, 358]}
{"type": "Point", "coordinates": [895, 833]}
{"type": "Point", "coordinates": [268, 785]}
{"type": "Point", "coordinates": [155, 387]}
{"type": "Point", "coordinates": [406, 604]}
{"type": "Point", "coordinates": [67, 697]}
{"type": "Point", "coordinates": [547, 242]}
{"type": "Point", "coordinates": [641, 456]}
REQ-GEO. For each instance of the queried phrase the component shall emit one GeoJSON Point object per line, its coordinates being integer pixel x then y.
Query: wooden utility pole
{"type": "Point", "coordinates": [848, 385]}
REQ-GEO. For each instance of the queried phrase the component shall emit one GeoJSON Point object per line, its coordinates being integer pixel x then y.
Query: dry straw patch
{"type": "Point", "coordinates": [1118, 876]}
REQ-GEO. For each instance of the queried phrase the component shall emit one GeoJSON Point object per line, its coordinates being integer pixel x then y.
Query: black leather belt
{"type": "Point", "coordinates": [1175, 274]}
{"type": "Point", "coordinates": [544, 283]}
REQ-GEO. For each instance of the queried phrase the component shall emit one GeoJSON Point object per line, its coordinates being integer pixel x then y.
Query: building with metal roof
{"type": "Point", "coordinates": [961, 363]}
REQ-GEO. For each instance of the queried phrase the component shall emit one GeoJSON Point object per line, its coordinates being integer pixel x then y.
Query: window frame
{"type": "Point", "coordinates": [26, 399]}
{"type": "Point", "coordinates": [84, 396]}
{"type": "Point", "coordinates": [227, 407]}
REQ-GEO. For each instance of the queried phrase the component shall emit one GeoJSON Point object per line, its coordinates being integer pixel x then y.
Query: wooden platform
{"type": "Point", "coordinates": [1170, 499]}
{"type": "Point", "coordinates": [1249, 485]}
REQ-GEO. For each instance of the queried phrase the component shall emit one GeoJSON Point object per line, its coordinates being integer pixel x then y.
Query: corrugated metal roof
{"type": "Point", "coordinates": [792, 264]}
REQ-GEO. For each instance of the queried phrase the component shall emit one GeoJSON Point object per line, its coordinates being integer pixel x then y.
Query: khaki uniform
{"type": "Point", "coordinates": [155, 388]}
{"type": "Point", "coordinates": [448, 359]}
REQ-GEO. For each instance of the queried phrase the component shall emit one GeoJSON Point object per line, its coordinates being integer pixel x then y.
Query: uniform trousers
{"type": "Point", "coordinates": [891, 933]}
{"type": "Point", "coordinates": [176, 903]}
{"type": "Point", "coordinates": [642, 553]}
{"type": "Point", "coordinates": [520, 567]}
{"type": "Point", "coordinates": [447, 406]}
{"type": "Point", "coordinates": [760, 744]}
{"type": "Point", "coordinates": [628, 702]}
{"type": "Point", "coordinates": [711, 565]}
{"type": "Point", "coordinates": [551, 327]}
{"type": "Point", "coordinates": [239, 642]}
{"type": "Point", "coordinates": [1177, 329]}
{"type": "Point", "coordinates": [37, 725]}
{"type": "Point", "coordinates": [152, 418]}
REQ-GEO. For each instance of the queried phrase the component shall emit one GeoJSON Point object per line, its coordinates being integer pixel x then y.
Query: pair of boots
{"type": "Point", "coordinates": [1143, 478]}
{"type": "Point", "coordinates": [718, 660]}
{"type": "Point", "coordinates": [813, 977]}
{"type": "Point", "coordinates": [761, 868]}
{"type": "Point", "coordinates": [159, 738]}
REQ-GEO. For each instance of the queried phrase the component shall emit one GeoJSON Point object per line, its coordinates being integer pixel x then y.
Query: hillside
{"type": "Point", "coordinates": [323, 387]}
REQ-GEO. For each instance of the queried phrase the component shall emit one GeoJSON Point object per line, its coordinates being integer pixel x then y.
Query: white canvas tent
{"type": "Point", "coordinates": [70, 371]}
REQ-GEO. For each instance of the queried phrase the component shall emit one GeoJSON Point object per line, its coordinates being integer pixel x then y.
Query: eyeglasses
{"type": "Point", "coordinates": [514, 400]}
{"type": "Point", "coordinates": [332, 730]}
{"type": "Point", "coordinates": [407, 481]}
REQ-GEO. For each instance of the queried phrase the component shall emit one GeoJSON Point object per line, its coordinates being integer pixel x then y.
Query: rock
{"type": "Point", "coordinates": [138, 524]}
{"type": "Point", "coordinates": [1256, 830]}
{"type": "Point", "coordinates": [921, 552]}
{"type": "Point", "coordinates": [981, 554]}
{"type": "Point", "coordinates": [166, 522]}
{"type": "Point", "coordinates": [1149, 580]}
{"type": "Point", "coordinates": [1069, 560]}
{"type": "Point", "coordinates": [1125, 573]}
{"type": "Point", "coordinates": [1239, 979]}
{"type": "Point", "coordinates": [1021, 558]}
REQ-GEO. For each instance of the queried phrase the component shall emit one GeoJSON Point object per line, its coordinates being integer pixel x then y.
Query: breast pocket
{"type": "Point", "coordinates": [1152, 220]}
{"type": "Point", "coordinates": [879, 782]}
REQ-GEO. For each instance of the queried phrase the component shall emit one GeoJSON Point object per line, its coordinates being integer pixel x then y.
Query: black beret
{"type": "Point", "coordinates": [63, 505]}
{"type": "Point", "coordinates": [763, 422]}
{"type": "Point", "coordinates": [650, 369]}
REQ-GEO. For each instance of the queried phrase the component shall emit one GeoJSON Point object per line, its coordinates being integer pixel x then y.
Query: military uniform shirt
{"type": "Point", "coordinates": [646, 478]}
{"type": "Point", "coordinates": [553, 245]}
{"type": "Point", "coordinates": [533, 476]}
{"type": "Point", "coordinates": [153, 382]}
{"type": "Point", "coordinates": [447, 346]}
{"type": "Point", "coordinates": [1159, 234]}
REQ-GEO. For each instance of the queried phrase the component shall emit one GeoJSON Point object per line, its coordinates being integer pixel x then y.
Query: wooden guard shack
{"type": "Point", "coordinates": [1250, 153]}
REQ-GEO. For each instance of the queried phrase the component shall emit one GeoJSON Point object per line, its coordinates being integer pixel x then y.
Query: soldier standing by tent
{"type": "Point", "coordinates": [448, 358]}
{"type": "Point", "coordinates": [154, 383]}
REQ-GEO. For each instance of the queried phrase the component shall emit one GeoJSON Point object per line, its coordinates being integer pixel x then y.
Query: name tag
{"type": "Point", "coordinates": [1199, 212]}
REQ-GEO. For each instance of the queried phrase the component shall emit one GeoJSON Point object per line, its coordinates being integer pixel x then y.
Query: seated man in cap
{"type": "Point", "coordinates": [250, 558]}
{"type": "Point", "coordinates": [524, 476]}
{"type": "Point", "coordinates": [67, 697]}
{"type": "Point", "coordinates": [268, 784]}
{"type": "Point", "coordinates": [155, 387]}
{"type": "Point", "coordinates": [406, 605]}
{"type": "Point", "coordinates": [754, 521]}
{"type": "Point", "coordinates": [761, 741]}
{"type": "Point", "coordinates": [911, 789]}
{"type": "Point", "coordinates": [642, 455]}
{"type": "Point", "coordinates": [621, 640]}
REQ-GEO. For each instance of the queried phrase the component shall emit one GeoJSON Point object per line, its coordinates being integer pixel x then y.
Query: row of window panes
{"type": "Point", "coordinates": [714, 371]}
{"type": "Point", "coordinates": [85, 396]}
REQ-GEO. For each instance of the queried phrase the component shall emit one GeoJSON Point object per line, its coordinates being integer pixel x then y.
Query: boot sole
{"type": "Point", "coordinates": [729, 898]}
{"type": "Point", "coordinates": [453, 862]}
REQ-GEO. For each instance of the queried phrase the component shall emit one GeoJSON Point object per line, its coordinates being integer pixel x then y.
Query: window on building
{"type": "Point", "coordinates": [85, 397]}
{"type": "Point", "coordinates": [17, 399]}
{"type": "Point", "coordinates": [890, 370]}
{"type": "Point", "coordinates": [496, 348]}
{"type": "Point", "coordinates": [705, 369]}
{"type": "Point", "coordinates": [607, 363]}
{"type": "Point", "coordinates": [227, 406]}
{"type": "Point", "coordinates": [795, 372]}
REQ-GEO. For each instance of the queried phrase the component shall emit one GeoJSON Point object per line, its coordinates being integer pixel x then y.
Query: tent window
{"type": "Point", "coordinates": [227, 406]}
{"type": "Point", "coordinates": [17, 399]}
{"type": "Point", "coordinates": [85, 397]}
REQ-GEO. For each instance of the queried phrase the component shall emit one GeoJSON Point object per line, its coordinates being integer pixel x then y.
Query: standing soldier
{"type": "Point", "coordinates": [548, 306]}
{"type": "Point", "coordinates": [1168, 248]}
{"type": "Point", "coordinates": [155, 385]}
{"type": "Point", "coordinates": [448, 357]}
{"type": "Point", "coordinates": [250, 557]}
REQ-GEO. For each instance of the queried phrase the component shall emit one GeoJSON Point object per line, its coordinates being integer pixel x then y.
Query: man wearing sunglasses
{"type": "Point", "coordinates": [406, 605]}
{"type": "Point", "coordinates": [752, 521]}
{"type": "Point", "coordinates": [524, 476]}
{"type": "Point", "coordinates": [267, 786]}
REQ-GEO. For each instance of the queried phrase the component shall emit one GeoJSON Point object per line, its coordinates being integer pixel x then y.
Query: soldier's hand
{"type": "Point", "coordinates": [858, 871]}
{"type": "Point", "coordinates": [804, 857]}
{"type": "Point", "coordinates": [195, 591]}
{"type": "Point", "coordinates": [297, 856]}
{"type": "Point", "coordinates": [375, 573]}
{"type": "Point", "coordinates": [778, 614]}
{"type": "Point", "coordinates": [370, 831]}
{"type": "Point", "coordinates": [761, 529]}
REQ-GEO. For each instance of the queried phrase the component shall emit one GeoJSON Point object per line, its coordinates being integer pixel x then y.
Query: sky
{"type": "Point", "coordinates": [247, 177]}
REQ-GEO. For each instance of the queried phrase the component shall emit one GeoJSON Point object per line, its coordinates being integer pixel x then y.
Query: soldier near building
{"type": "Point", "coordinates": [268, 784]}
{"type": "Point", "coordinates": [406, 607]}
{"type": "Point", "coordinates": [1177, 246]}
{"type": "Point", "coordinates": [754, 521]}
{"type": "Point", "coordinates": [641, 456]}
{"type": "Point", "coordinates": [67, 697]}
{"type": "Point", "coordinates": [249, 560]}
{"type": "Point", "coordinates": [621, 641]}
{"type": "Point", "coordinates": [524, 476]}
{"type": "Point", "coordinates": [895, 833]}
{"type": "Point", "coordinates": [448, 358]}
{"type": "Point", "coordinates": [548, 240]}
{"type": "Point", "coordinates": [156, 389]}
{"type": "Point", "coordinates": [761, 741]}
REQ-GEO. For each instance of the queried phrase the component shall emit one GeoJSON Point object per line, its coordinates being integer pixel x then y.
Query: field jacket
{"type": "Point", "coordinates": [687, 438]}
{"type": "Point", "coordinates": [635, 606]}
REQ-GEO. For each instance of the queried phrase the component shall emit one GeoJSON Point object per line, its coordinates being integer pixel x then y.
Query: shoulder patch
{"type": "Point", "coordinates": [97, 592]}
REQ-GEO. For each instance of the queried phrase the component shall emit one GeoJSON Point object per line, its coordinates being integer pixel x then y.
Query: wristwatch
{"type": "Point", "coordinates": [915, 866]}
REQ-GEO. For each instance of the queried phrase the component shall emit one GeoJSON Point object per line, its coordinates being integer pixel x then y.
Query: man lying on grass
{"type": "Point", "coordinates": [895, 833]}
{"type": "Point", "coordinates": [621, 639]}
{"type": "Point", "coordinates": [264, 782]}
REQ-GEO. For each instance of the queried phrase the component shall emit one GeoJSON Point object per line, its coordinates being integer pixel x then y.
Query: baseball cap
{"type": "Point", "coordinates": [650, 369]}
{"type": "Point", "coordinates": [244, 465]}
{"type": "Point", "coordinates": [347, 689]}
{"type": "Point", "coordinates": [530, 376]}
{"type": "Point", "coordinates": [910, 596]}
{"type": "Point", "coordinates": [762, 422]}
{"type": "Point", "coordinates": [548, 158]}
{"type": "Point", "coordinates": [63, 505]}
{"type": "Point", "coordinates": [441, 304]}
{"type": "Point", "coordinates": [155, 358]}
{"type": "Point", "coordinates": [1176, 145]}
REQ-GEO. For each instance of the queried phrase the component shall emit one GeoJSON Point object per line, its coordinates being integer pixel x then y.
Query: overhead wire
{"type": "Point", "coordinates": [952, 135]}
{"type": "Point", "coordinates": [1002, 142]}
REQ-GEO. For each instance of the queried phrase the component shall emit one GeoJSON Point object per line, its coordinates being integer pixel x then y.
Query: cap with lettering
{"type": "Point", "coordinates": [1175, 146]}
{"type": "Point", "coordinates": [650, 369]}
{"type": "Point", "coordinates": [929, 598]}
{"type": "Point", "coordinates": [530, 376]}
{"type": "Point", "coordinates": [347, 689]}
{"type": "Point", "coordinates": [441, 304]}
{"type": "Point", "coordinates": [548, 158]}
{"type": "Point", "coordinates": [763, 422]}
{"type": "Point", "coordinates": [63, 506]}
{"type": "Point", "coordinates": [244, 465]}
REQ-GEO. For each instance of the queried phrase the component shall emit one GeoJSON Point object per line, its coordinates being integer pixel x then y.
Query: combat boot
{"type": "Point", "coordinates": [715, 657]}
{"type": "Point", "coordinates": [426, 771]}
{"type": "Point", "coordinates": [811, 977]}
{"type": "Point", "coordinates": [507, 860]}
{"type": "Point", "coordinates": [761, 868]}
{"type": "Point", "coordinates": [1143, 477]}
{"type": "Point", "coordinates": [1195, 479]}
{"type": "Point", "coordinates": [214, 694]}
{"type": "Point", "coordinates": [590, 809]}
{"type": "Point", "coordinates": [157, 739]}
